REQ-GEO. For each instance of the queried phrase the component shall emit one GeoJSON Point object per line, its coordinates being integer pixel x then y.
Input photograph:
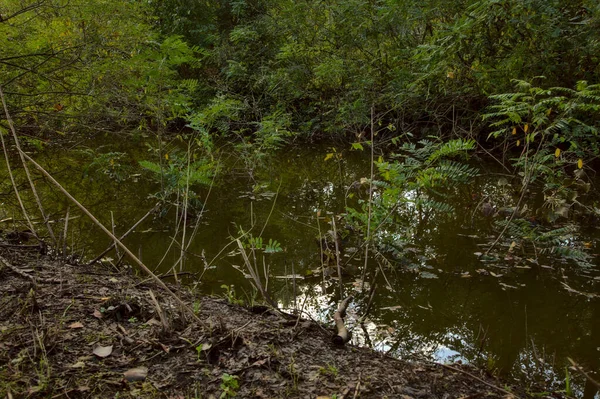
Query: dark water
{"type": "Point", "coordinates": [437, 303]}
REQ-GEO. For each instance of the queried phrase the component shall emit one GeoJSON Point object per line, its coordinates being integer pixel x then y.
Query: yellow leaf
{"type": "Point", "coordinates": [549, 112]}
{"type": "Point", "coordinates": [450, 75]}
{"type": "Point", "coordinates": [526, 128]}
{"type": "Point", "coordinates": [580, 163]}
{"type": "Point", "coordinates": [380, 159]}
{"type": "Point", "coordinates": [557, 153]}
{"type": "Point", "coordinates": [167, 157]}
{"type": "Point", "coordinates": [329, 156]}
{"type": "Point", "coordinates": [514, 131]}
{"type": "Point", "coordinates": [518, 143]}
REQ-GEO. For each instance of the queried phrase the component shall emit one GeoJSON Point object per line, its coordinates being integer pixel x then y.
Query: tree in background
{"type": "Point", "coordinates": [92, 64]}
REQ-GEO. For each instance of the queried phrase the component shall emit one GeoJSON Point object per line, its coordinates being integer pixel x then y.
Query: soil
{"type": "Point", "coordinates": [76, 331]}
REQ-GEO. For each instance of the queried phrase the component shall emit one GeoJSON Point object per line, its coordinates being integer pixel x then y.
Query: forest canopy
{"type": "Point", "coordinates": [270, 67]}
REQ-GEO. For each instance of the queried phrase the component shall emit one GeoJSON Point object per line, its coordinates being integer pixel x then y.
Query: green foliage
{"type": "Point", "coordinates": [558, 242]}
{"type": "Point", "coordinates": [229, 385]}
{"type": "Point", "coordinates": [325, 64]}
{"type": "Point", "coordinates": [111, 164]}
{"type": "Point", "coordinates": [257, 243]}
{"type": "Point", "coordinates": [413, 189]}
{"type": "Point", "coordinates": [90, 63]}
{"type": "Point", "coordinates": [230, 295]}
{"type": "Point", "coordinates": [555, 130]}
{"type": "Point", "coordinates": [181, 172]}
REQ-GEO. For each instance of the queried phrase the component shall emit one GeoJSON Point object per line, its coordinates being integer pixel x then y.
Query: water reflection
{"type": "Point", "coordinates": [431, 302]}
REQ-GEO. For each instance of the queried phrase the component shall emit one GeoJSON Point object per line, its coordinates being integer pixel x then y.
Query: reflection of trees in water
{"type": "Point", "coordinates": [528, 332]}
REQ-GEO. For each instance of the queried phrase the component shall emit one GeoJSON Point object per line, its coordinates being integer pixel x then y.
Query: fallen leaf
{"type": "Point", "coordinates": [206, 346]}
{"type": "Point", "coordinates": [153, 322]}
{"type": "Point", "coordinates": [103, 351]}
{"type": "Point", "coordinates": [78, 365]}
{"type": "Point", "coordinates": [113, 280]}
{"type": "Point", "coordinates": [97, 314]}
{"type": "Point", "coordinates": [259, 363]}
{"type": "Point", "coordinates": [136, 374]}
{"type": "Point", "coordinates": [77, 324]}
{"type": "Point", "coordinates": [164, 347]}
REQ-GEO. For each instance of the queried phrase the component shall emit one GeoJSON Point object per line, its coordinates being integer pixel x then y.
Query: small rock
{"type": "Point", "coordinates": [136, 374]}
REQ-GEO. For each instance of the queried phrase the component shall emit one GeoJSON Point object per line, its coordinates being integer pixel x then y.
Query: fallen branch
{"type": "Point", "coordinates": [343, 335]}
{"type": "Point", "coordinates": [111, 246]}
{"type": "Point", "coordinates": [115, 239]}
{"type": "Point", "coordinates": [21, 273]}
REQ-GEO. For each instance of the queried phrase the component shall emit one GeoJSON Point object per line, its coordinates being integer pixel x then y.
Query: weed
{"type": "Point", "coordinates": [230, 295]}
{"type": "Point", "coordinates": [196, 307]}
{"type": "Point", "coordinates": [229, 385]}
{"type": "Point", "coordinates": [329, 371]}
{"type": "Point", "coordinates": [568, 387]}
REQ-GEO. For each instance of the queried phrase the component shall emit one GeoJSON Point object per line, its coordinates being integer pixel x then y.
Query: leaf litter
{"type": "Point", "coordinates": [58, 338]}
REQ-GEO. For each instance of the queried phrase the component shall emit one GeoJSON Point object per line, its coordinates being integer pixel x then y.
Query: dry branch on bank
{"type": "Point", "coordinates": [343, 335]}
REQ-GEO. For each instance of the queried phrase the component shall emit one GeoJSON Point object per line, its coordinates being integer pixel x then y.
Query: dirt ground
{"type": "Point", "coordinates": [76, 331]}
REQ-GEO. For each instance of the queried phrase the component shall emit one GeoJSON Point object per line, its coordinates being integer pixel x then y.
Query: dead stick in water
{"type": "Point", "coordinates": [115, 239]}
{"type": "Point", "coordinates": [111, 246]}
{"type": "Point", "coordinates": [586, 375]}
{"type": "Point", "coordinates": [343, 335]}
{"type": "Point", "coordinates": [337, 257]}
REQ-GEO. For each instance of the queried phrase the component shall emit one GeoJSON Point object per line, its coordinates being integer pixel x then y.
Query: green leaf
{"type": "Point", "coordinates": [357, 146]}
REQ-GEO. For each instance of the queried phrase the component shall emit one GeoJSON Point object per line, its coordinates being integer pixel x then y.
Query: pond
{"type": "Point", "coordinates": [438, 300]}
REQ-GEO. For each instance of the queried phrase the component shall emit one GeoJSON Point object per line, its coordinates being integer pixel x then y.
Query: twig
{"type": "Point", "coordinates": [111, 246]}
{"type": "Point", "coordinates": [477, 378]}
{"type": "Point", "coordinates": [301, 311]}
{"type": "Point", "coordinates": [254, 276]}
{"type": "Point", "coordinates": [107, 232]}
{"type": "Point", "coordinates": [586, 375]}
{"type": "Point", "coordinates": [371, 296]}
{"type": "Point", "coordinates": [321, 249]}
{"type": "Point", "coordinates": [12, 177]}
{"type": "Point", "coordinates": [272, 207]}
{"type": "Point", "coordinates": [65, 230]}
{"type": "Point", "coordinates": [357, 389]}
{"type": "Point", "coordinates": [112, 226]}
{"type": "Point", "coordinates": [27, 276]}
{"type": "Point", "coordinates": [368, 235]}
{"type": "Point", "coordinates": [337, 257]}
{"type": "Point", "coordinates": [26, 168]}
{"type": "Point", "coordinates": [161, 315]}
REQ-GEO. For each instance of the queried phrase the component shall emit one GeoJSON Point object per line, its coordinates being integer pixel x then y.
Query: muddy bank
{"type": "Point", "coordinates": [74, 331]}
